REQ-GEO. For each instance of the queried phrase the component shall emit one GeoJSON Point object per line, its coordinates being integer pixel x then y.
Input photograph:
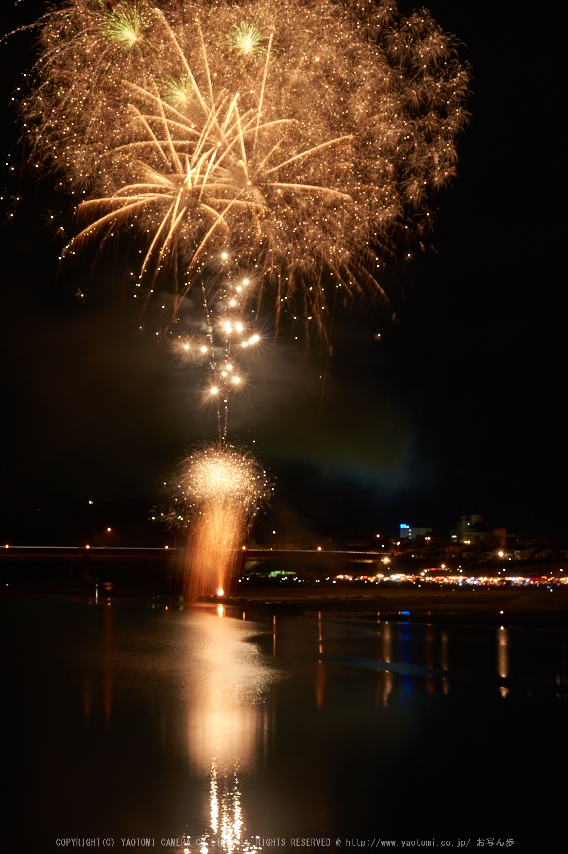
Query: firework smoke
{"type": "Point", "coordinates": [217, 494]}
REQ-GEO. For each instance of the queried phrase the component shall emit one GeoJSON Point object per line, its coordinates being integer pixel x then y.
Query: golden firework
{"type": "Point", "coordinates": [303, 165]}
{"type": "Point", "coordinates": [217, 494]}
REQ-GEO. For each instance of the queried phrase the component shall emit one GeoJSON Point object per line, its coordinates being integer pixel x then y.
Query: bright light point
{"type": "Point", "coordinates": [239, 327]}
{"type": "Point", "coordinates": [245, 281]}
{"type": "Point", "coordinates": [223, 373]}
{"type": "Point", "coordinates": [236, 380]}
{"type": "Point", "coordinates": [204, 349]}
{"type": "Point", "coordinates": [186, 346]}
{"type": "Point", "coordinates": [319, 548]}
{"type": "Point", "coordinates": [254, 339]}
{"type": "Point", "coordinates": [239, 289]}
{"type": "Point", "coordinates": [245, 344]}
{"type": "Point", "coordinates": [229, 367]}
{"type": "Point", "coordinates": [109, 529]}
{"type": "Point", "coordinates": [220, 591]}
{"type": "Point", "coordinates": [228, 327]}
{"type": "Point", "coordinates": [214, 390]}
{"type": "Point", "coordinates": [87, 547]}
{"type": "Point", "coordinates": [233, 302]}
{"type": "Point", "coordinates": [224, 255]}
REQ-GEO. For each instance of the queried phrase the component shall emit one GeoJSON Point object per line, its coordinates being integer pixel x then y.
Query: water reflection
{"type": "Point", "coordinates": [429, 656]}
{"type": "Point", "coordinates": [444, 659]}
{"type": "Point", "coordinates": [227, 720]}
{"type": "Point", "coordinates": [320, 678]}
{"type": "Point", "coordinates": [387, 677]}
{"type": "Point", "coordinates": [226, 818]}
{"type": "Point", "coordinates": [387, 643]}
{"type": "Point", "coordinates": [274, 635]}
{"type": "Point", "coordinates": [386, 680]}
{"type": "Point", "coordinates": [172, 723]}
{"type": "Point", "coordinates": [503, 657]}
{"type": "Point", "coordinates": [413, 658]}
{"type": "Point", "coordinates": [320, 668]}
{"type": "Point", "coordinates": [108, 662]}
{"type": "Point", "coordinates": [225, 692]}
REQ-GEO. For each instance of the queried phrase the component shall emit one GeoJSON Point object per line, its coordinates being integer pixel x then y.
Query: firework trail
{"type": "Point", "coordinates": [273, 152]}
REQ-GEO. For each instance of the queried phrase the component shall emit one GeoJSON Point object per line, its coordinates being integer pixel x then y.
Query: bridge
{"type": "Point", "coordinates": [157, 566]}
{"type": "Point", "coordinates": [83, 553]}
{"type": "Point", "coordinates": [145, 555]}
{"type": "Point", "coordinates": [314, 557]}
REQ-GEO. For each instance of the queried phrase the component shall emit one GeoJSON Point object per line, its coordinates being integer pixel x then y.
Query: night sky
{"type": "Point", "coordinates": [458, 407]}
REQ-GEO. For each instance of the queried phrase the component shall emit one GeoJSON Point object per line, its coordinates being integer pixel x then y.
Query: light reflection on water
{"type": "Point", "coordinates": [225, 721]}
{"type": "Point", "coordinates": [226, 729]}
{"type": "Point", "coordinates": [224, 686]}
{"type": "Point", "coordinates": [503, 657]}
{"type": "Point", "coordinates": [227, 823]}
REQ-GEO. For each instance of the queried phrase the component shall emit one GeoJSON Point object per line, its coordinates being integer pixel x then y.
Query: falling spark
{"type": "Point", "coordinates": [217, 492]}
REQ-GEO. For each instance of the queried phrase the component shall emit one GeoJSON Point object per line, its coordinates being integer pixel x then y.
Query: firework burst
{"type": "Point", "coordinates": [218, 491]}
{"type": "Point", "coordinates": [300, 139]}
{"type": "Point", "coordinates": [246, 41]}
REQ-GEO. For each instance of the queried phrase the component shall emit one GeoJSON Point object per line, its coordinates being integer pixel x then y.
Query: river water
{"type": "Point", "coordinates": [207, 730]}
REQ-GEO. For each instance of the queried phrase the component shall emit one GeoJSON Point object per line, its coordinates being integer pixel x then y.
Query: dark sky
{"type": "Point", "coordinates": [460, 407]}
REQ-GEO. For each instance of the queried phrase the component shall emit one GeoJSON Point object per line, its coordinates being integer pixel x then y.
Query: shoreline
{"type": "Point", "coordinates": [537, 606]}
{"type": "Point", "coordinates": [499, 606]}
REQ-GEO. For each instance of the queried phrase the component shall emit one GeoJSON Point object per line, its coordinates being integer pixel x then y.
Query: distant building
{"type": "Point", "coordinates": [473, 529]}
{"type": "Point", "coordinates": [408, 533]}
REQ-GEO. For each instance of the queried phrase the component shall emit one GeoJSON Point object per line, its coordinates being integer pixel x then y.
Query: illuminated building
{"type": "Point", "coordinates": [409, 533]}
